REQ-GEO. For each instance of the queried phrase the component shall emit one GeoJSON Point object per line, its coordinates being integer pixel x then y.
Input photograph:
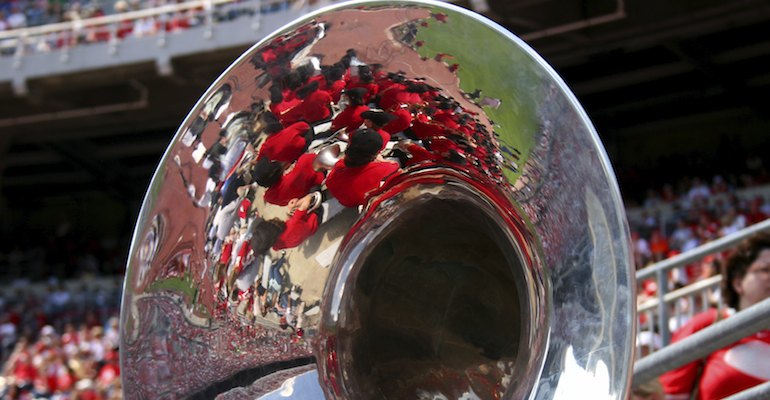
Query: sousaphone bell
{"type": "Point", "coordinates": [494, 262]}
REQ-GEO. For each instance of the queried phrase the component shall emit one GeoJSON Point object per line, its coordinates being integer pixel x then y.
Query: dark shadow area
{"type": "Point", "coordinates": [436, 306]}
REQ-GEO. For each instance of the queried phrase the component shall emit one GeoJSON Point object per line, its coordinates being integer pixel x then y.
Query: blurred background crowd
{"type": "Point", "coordinates": [60, 341]}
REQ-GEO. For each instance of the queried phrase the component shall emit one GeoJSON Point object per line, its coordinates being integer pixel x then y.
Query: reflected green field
{"type": "Point", "coordinates": [496, 67]}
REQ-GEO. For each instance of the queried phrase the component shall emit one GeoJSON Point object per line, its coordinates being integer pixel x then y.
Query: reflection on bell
{"type": "Point", "coordinates": [437, 309]}
{"type": "Point", "coordinates": [491, 262]}
{"type": "Point", "coordinates": [326, 158]}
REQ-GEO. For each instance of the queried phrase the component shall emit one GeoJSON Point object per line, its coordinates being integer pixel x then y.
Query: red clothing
{"type": "Point", "coordinates": [420, 154]}
{"type": "Point", "coordinates": [388, 85]}
{"type": "Point", "coordinates": [351, 186]}
{"type": "Point", "coordinates": [109, 374]}
{"type": "Point", "coordinates": [350, 118]}
{"type": "Point", "coordinates": [243, 208]}
{"type": "Point", "coordinates": [227, 251]}
{"type": "Point", "coordinates": [313, 108]}
{"type": "Point", "coordinates": [245, 256]}
{"type": "Point", "coordinates": [385, 138]}
{"type": "Point", "coordinates": [425, 128]}
{"type": "Point", "coordinates": [445, 118]}
{"type": "Point", "coordinates": [727, 371]}
{"type": "Point", "coordinates": [659, 246]}
{"type": "Point", "coordinates": [283, 109]}
{"type": "Point", "coordinates": [24, 370]}
{"type": "Point", "coordinates": [394, 97]}
{"type": "Point", "coordinates": [125, 28]}
{"type": "Point", "coordinates": [287, 144]}
{"type": "Point", "coordinates": [269, 55]}
{"type": "Point", "coordinates": [371, 89]}
{"type": "Point", "coordinates": [753, 218]}
{"type": "Point", "coordinates": [296, 183]}
{"type": "Point", "coordinates": [403, 121]}
{"type": "Point", "coordinates": [335, 90]}
{"type": "Point", "coordinates": [299, 227]}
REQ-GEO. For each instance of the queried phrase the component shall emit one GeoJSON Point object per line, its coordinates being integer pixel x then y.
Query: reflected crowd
{"type": "Point", "coordinates": [328, 139]}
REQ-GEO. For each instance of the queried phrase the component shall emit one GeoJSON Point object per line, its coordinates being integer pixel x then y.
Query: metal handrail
{"type": "Point", "coordinates": [704, 342]}
{"type": "Point", "coordinates": [688, 290]}
{"type": "Point", "coordinates": [661, 269]}
{"type": "Point", "coordinates": [698, 253]}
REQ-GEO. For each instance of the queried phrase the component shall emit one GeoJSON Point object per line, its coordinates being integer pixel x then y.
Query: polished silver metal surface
{"type": "Point", "coordinates": [484, 253]}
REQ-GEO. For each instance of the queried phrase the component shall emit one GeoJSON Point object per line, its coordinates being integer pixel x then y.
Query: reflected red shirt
{"type": "Point", "coordinates": [402, 122]}
{"type": "Point", "coordinates": [283, 111]}
{"type": "Point", "coordinates": [371, 89]}
{"type": "Point", "coordinates": [385, 138]}
{"type": "Point", "coordinates": [299, 227]}
{"type": "Point", "coordinates": [336, 90]}
{"type": "Point", "coordinates": [351, 186]}
{"type": "Point", "coordinates": [296, 183]}
{"type": "Point", "coordinates": [350, 118]}
{"type": "Point", "coordinates": [313, 108]}
{"type": "Point", "coordinates": [285, 145]}
{"type": "Point", "coordinates": [395, 97]}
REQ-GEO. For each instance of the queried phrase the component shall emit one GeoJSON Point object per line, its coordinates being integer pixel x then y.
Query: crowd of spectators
{"type": "Point", "coordinates": [699, 213]}
{"type": "Point", "coordinates": [16, 14]}
{"type": "Point", "coordinates": [62, 344]}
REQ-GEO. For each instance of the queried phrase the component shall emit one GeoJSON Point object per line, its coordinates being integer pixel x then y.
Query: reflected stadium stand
{"type": "Point", "coordinates": [102, 42]}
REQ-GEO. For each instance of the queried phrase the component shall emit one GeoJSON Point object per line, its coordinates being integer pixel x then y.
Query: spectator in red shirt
{"type": "Point", "coordinates": [355, 177]}
{"type": "Point", "coordinates": [315, 106]}
{"type": "Point", "coordinates": [279, 106]}
{"type": "Point", "coordinates": [286, 145]}
{"type": "Point", "coordinates": [396, 96]}
{"type": "Point", "coordinates": [332, 83]}
{"type": "Point", "coordinates": [295, 184]}
{"type": "Point", "coordinates": [402, 121]}
{"type": "Point", "coordinates": [350, 118]}
{"type": "Point", "coordinates": [365, 81]}
{"type": "Point", "coordinates": [303, 222]}
{"type": "Point", "coordinates": [736, 367]}
{"type": "Point", "coordinates": [658, 246]}
{"type": "Point", "coordinates": [377, 71]}
{"type": "Point", "coordinates": [755, 213]}
{"type": "Point", "coordinates": [376, 120]}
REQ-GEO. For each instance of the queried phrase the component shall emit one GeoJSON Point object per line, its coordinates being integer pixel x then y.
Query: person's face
{"type": "Point", "coordinates": [755, 285]}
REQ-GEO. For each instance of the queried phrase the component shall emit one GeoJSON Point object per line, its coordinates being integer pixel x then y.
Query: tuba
{"type": "Point", "coordinates": [478, 250]}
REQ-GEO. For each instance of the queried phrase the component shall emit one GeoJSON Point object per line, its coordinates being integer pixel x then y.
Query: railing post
{"type": "Point", "coordinates": [161, 22]}
{"type": "Point", "coordinates": [256, 20]}
{"type": "Point", "coordinates": [113, 40]}
{"type": "Point", "coordinates": [66, 44]}
{"type": "Point", "coordinates": [663, 313]}
{"type": "Point", "coordinates": [208, 9]}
